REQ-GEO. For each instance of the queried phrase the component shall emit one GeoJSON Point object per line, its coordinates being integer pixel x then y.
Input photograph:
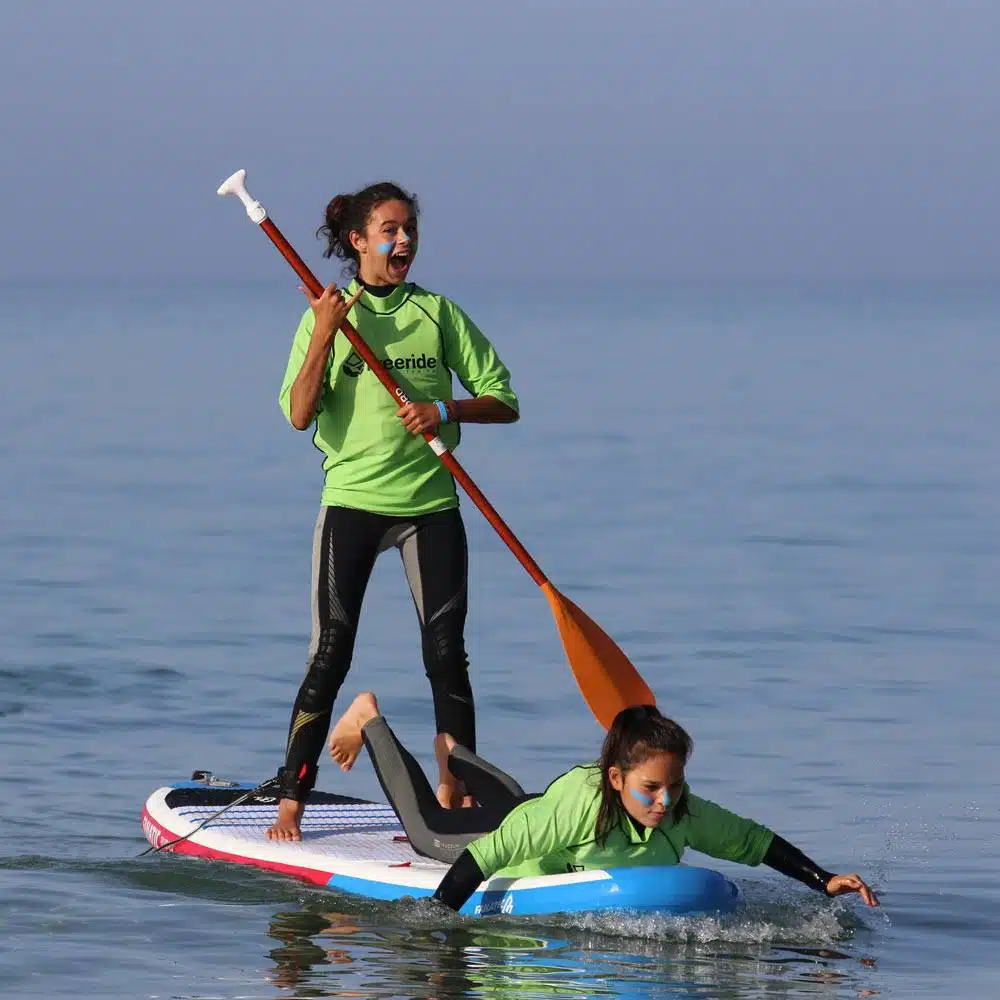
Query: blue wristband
{"type": "Point", "coordinates": [443, 410]}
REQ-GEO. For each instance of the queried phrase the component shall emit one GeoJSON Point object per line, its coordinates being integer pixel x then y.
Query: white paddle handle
{"type": "Point", "coordinates": [236, 184]}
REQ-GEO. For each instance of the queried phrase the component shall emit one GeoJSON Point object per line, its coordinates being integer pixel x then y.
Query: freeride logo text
{"type": "Point", "coordinates": [354, 365]}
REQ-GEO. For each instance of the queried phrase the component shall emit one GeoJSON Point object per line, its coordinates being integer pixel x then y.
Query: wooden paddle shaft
{"type": "Point", "coordinates": [448, 459]}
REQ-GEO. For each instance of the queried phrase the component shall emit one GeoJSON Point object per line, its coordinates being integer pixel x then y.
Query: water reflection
{"type": "Point", "coordinates": [307, 940]}
{"type": "Point", "coordinates": [335, 954]}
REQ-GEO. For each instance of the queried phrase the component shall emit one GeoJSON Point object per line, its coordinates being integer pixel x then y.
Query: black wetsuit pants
{"type": "Point", "coordinates": [433, 831]}
{"type": "Point", "coordinates": [435, 556]}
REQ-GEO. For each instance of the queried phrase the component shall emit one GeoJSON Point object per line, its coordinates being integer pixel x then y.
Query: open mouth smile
{"type": "Point", "coordinates": [399, 262]}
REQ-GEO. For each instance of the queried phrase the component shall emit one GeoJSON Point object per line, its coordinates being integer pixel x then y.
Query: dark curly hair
{"type": "Point", "coordinates": [349, 213]}
{"type": "Point", "coordinates": [636, 734]}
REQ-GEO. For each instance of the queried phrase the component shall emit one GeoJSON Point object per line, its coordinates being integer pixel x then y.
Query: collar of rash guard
{"type": "Point", "coordinates": [381, 298]}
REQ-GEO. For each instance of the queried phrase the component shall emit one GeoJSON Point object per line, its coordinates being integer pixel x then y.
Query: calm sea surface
{"type": "Point", "coordinates": [783, 502]}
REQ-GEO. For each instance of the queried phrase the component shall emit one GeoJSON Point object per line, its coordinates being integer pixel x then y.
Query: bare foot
{"type": "Point", "coordinates": [286, 826]}
{"type": "Point", "coordinates": [345, 740]}
{"type": "Point", "coordinates": [450, 791]}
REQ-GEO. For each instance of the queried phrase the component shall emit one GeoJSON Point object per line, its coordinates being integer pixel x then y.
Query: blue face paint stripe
{"type": "Point", "coordinates": [646, 800]}
{"type": "Point", "coordinates": [386, 248]}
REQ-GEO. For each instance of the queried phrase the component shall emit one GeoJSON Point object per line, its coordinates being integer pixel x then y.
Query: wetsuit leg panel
{"type": "Point", "coordinates": [436, 558]}
{"type": "Point", "coordinates": [490, 786]}
{"type": "Point", "coordinates": [433, 831]}
{"type": "Point", "coordinates": [404, 783]}
{"type": "Point", "coordinates": [345, 545]}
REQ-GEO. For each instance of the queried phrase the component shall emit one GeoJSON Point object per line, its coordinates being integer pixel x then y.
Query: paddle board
{"type": "Point", "coordinates": [356, 846]}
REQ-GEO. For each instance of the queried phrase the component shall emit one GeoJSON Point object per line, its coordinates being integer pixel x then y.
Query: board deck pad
{"type": "Point", "coordinates": [331, 824]}
{"type": "Point", "coordinates": [358, 846]}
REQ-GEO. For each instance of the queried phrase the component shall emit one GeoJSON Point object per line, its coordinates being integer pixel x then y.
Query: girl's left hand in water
{"type": "Point", "coordinates": [419, 417]}
{"type": "Point", "coordinates": [840, 885]}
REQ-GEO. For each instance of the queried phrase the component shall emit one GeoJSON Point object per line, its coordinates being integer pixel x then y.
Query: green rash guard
{"type": "Point", "coordinates": [370, 460]}
{"type": "Point", "coordinates": [555, 833]}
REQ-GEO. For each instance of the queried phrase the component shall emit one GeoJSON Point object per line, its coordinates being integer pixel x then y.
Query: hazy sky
{"type": "Point", "coordinates": [750, 138]}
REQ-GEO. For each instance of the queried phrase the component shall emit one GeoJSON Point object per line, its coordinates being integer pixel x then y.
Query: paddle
{"type": "Point", "coordinates": [607, 680]}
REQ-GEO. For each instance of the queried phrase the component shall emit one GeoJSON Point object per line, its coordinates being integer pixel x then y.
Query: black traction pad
{"type": "Point", "coordinates": [179, 798]}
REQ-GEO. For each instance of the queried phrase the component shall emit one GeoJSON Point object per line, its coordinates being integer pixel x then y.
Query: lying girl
{"type": "Point", "coordinates": [632, 807]}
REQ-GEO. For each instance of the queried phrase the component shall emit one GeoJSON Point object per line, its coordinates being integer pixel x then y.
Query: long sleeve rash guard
{"type": "Point", "coordinates": [556, 832]}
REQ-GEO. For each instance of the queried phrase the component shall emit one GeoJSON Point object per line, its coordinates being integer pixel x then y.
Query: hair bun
{"type": "Point", "coordinates": [339, 207]}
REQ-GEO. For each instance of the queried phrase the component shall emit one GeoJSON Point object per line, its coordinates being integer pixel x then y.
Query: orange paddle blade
{"type": "Point", "coordinates": [606, 677]}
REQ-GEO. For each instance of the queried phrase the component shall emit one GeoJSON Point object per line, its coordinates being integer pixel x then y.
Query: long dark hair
{"type": "Point", "coordinates": [349, 213]}
{"type": "Point", "coordinates": [636, 735]}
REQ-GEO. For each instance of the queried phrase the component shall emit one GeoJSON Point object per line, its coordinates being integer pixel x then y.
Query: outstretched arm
{"type": "Point", "coordinates": [789, 860]}
{"type": "Point", "coordinates": [722, 834]}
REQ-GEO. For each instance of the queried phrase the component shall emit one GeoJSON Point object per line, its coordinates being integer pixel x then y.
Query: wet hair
{"type": "Point", "coordinates": [637, 734]}
{"type": "Point", "coordinates": [349, 213]}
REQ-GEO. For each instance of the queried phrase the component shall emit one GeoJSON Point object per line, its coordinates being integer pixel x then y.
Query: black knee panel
{"type": "Point", "coordinates": [447, 667]}
{"type": "Point", "coordinates": [445, 658]}
{"type": "Point", "coordinates": [327, 669]}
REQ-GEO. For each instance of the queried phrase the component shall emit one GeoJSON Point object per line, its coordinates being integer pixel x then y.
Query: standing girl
{"type": "Point", "coordinates": [384, 487]}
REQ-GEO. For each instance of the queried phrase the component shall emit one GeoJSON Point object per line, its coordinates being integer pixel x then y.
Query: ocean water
{"type": "Point", "coordinates": [783, 501]}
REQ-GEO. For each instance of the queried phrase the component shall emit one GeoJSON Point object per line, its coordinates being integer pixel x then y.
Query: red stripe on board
{"type": "Point", "coordinates": [158, 834]}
